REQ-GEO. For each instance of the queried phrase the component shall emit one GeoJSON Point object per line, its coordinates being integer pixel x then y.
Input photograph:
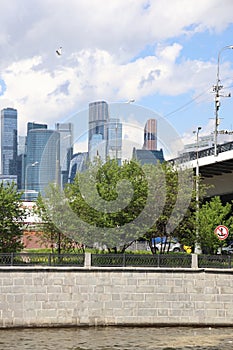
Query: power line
{"type": "Point", "coordinates": [186, 104]}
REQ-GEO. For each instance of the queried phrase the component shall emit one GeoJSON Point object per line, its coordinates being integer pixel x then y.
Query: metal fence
{"type": "Point", "coordinates": [215, 261]}
{"type": "Point", "coordinates": [97, 260]}
{"type": "Point", "coordinates": [141, 260]}
{"type": "Point", "coordinates": [116, 260]}
{"type": "Point", "coordinates": [41, 259]}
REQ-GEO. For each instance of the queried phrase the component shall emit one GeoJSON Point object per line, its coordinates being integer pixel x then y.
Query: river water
{"type": "Point", "coordinates": [117, 338]}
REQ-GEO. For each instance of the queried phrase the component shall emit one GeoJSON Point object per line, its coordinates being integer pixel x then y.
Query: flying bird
{"type": "Point", "coordinates": [58, 51]}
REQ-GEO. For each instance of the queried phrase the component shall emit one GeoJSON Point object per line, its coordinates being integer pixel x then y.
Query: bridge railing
{"type": "Point", "coordinates": [192, 155]}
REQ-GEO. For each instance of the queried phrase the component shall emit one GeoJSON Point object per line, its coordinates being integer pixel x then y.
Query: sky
{"type": "Point", "coordinates": [161, 53]}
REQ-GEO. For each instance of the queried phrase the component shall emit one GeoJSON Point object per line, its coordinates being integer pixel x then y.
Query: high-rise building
{"type": "Point", "coordinates": [33, 125]}
{"type": "Point", "coordinates": [78, 164]}
{"type": "Point", "coordinates": [42, 160]}
{"type": "Point", "coordinates": [21, 157]}
{"type": "Point", "coordinates": [9, 141]}
{"type": "Point", "coordinates": [66, 148]}
{"type": "Point", "coordinates": [145, 156]}
{"type": "Point", "coordinates": [114, 139]}
{"type": "Point", "coordinates": [98, 119]}
{"type": "Point", "coordinates": [150, 135]}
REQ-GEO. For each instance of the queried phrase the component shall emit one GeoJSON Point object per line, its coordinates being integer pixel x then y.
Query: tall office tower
{"type": "Point", "coordinates": [21, 157]}
{"type": "Point", "coordinates": [9, 141]}
{"type": "Point", "coordinates": [66, 148]}
{"type": "Point", "coordinates": [114, 143]}
{"type": "Point", "coordinates": [150, 135]}
{"type": "Point", "coordinates": [42, 160]}
{"type": "Point", "coordinates": [78, 164]}
{"type": "Point", "coordinates": [33, 125]}
{"type": "Point", "coordinates": [21, 145]}
{"type": "Point", "coordinates": [98, 118]}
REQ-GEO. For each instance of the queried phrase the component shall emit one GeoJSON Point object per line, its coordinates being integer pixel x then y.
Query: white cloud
{"type": "Point", "coordinates": [94, 74]}
{"type": "Point", "coordinates": [101, 52]}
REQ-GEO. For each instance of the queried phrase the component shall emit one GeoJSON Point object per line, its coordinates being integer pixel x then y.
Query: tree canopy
{"type": "Point", "coordinates": [12, 219]}
{"type": "Point", "coordinates": [212, 214]}
{"type": "Point", "coordinates": [113, 205]}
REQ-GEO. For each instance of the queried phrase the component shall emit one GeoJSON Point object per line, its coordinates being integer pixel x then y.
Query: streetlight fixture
{"type": "Point", "coordinates": [26, 177]}
{"type": "Point", "coordinates": [216, 89]}
{"type": "Point", "coordinates": [197, 249]}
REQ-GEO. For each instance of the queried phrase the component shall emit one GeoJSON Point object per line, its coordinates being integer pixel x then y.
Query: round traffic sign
{"type": "Point", "coordinates": [222, 232]}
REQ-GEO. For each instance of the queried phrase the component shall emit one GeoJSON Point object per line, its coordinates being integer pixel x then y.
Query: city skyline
{"type": "Point", "coordinates": [46, 155]}
{"type": "Point", "coordinates": [167, 63]}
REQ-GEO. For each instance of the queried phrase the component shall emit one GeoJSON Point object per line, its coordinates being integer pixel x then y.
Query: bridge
{"type": "Point", "coordinates": [216, 170]}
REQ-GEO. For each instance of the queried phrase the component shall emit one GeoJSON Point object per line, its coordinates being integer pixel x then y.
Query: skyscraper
{"type": "Point", "coordinates": [66, 148]}
{"type": "Point", "coordinates": [21, 161]}
{"type": "Point", "coordinates": [150, 135]}
{"type": "Point", "coordinates": [98, 119]}
{"type": "Point", "coordinates": [33, 125]}
{"type": "Point", "coordinates": [78, 164]}
{"type": "Point", "coordinates": [114, 139]}
{"type": "Point", "coordinates": [42, 159]}
{"type": "Point", "coordinates": [9, 141]}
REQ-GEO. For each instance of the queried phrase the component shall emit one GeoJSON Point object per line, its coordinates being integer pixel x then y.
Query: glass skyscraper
{"type": "Point", "coordinates": [66, 148]}
{"type": "Point", "coordinates": [42, 159]}
{"type": "Point", "coordinates": [9, 141]}
{"type": "Point", "coordinates": [78, 164]}
{"type": "Point", "coordinates": [98, 119]}
{"type": "Point", "coordinates": [150, 135]}
{"type": "Point", "coordinates": [114, 144]}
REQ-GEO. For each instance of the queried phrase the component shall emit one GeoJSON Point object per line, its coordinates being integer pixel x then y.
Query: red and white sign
{"type": "Point", "coordinates": [222, 232]}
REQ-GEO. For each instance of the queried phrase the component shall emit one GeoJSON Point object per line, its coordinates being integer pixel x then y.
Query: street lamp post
{"type": "Point", "coordinates": [197, 249]}
{"type": "Point", "coordinates": [216, 89]}
{"type": "Point", "coordinates": [26, 177]}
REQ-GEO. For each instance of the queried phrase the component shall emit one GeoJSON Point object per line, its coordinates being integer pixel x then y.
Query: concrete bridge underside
{"type": "Point", "coordinates": [218, 171]}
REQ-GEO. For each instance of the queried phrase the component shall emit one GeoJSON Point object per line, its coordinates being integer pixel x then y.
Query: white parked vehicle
{"type": "Point", "coordinates": [166, 244]}
{"type": "Point", "coordinates": [173, 246]}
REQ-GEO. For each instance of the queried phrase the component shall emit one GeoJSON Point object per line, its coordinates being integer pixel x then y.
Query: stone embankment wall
{"type": "Point", "coordinates": [47, 296]}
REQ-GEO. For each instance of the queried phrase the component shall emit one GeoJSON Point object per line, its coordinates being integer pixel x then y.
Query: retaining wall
{"type": "Point", "coordinates": [50, 296]}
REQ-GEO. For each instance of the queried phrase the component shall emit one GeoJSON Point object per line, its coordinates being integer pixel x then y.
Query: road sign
{"type": "Point", "coordinates": [222, 232]}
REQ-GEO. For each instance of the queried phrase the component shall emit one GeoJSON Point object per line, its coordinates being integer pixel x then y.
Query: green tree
{"type": "Point", "coordinates": [12, 219]}
{"type": "Point", "coordinates": [212, 214]}
{"type": "Point", "coordinates": [116, 203]}
{"type": "Point", "coordinates": [187, 229]}
{"type": "Point", "coordinates": [179, 195]}
{"type": "Point", "coordinates": [56, 227]}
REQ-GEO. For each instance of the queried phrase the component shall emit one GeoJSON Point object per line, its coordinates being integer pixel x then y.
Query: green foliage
{"type": "Point", "coordinates": [212, 214]}
{"type": "Point", "coordinates": [115, 205]}
{"type": "Point", "coordinates": [177, 207]}
{"type": "Point", "coordinates": [12, 216]}
{"type": "Point", "coordinates": [121, 198]}
{"type": "Point", "coordinates": [57, 235]}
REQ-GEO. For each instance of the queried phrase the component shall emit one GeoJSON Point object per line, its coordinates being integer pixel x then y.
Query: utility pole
{"type": "Point", "coordinates": [216, 89]}
{"type": "Point", "coordinates": [197, 249]}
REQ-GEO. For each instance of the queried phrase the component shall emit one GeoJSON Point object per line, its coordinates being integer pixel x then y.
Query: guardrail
{"type": "Point", "coordinates": [88, 260]}
{"type": "Point", "coordinates": [192, 155]}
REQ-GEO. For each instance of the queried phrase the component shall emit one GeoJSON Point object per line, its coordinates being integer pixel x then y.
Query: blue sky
{"type": "Point", "coordinates": [162, 53]}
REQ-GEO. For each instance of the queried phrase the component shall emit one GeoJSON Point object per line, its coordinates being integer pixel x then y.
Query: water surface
{"type": "Point", "coordinates": [117, 338]}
